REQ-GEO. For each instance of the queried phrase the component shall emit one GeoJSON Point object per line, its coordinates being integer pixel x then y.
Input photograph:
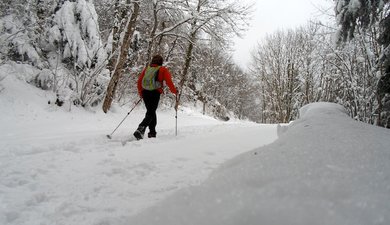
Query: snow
{"type": "Point", "coordinates": [325, 168]}
{"type": "Point", "coordinates": [57, 166]}
{"type": "Point", "coordinates": [354, 6]}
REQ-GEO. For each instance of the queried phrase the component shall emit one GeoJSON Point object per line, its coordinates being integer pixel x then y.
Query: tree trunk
{"type": "Point", "coordinates": [122, 59]}
{"type": "Point", "coordinates": [186, 66]}
{"type": "Point", "coordinates": [152, 34]}
{"type": "Point", "coordinates": [120, 15]}
{"type": "Point", "coordinates": [190, 48]}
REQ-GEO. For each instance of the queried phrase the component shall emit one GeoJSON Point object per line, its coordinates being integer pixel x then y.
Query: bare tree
{"type": "Point", "coordinates": [216, 19]}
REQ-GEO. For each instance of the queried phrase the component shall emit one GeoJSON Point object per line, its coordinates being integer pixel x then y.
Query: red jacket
{"type": "Point", "coordinates": [163, 75]}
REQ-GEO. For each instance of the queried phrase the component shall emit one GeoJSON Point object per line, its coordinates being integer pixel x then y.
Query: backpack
{"type": "Point", "coordinates": [149, 81]}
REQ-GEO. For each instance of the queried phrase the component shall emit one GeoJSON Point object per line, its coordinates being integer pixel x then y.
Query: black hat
{"type": "Point", "coordinates": [157, 59]}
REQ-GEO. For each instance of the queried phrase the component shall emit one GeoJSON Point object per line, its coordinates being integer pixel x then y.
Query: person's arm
{"type": "Point", "coordinates": [168, 80]}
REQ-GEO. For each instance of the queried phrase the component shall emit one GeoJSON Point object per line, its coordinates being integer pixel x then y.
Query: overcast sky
{"type": "Point", "coordinates": [273, 15]}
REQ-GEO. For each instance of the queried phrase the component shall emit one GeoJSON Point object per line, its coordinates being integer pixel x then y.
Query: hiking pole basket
{"type": "Point", "coordinates": [109, 136]}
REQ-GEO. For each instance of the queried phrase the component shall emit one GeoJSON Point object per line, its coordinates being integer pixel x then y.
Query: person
{"type": "Point", "coordinates": [150, 87]}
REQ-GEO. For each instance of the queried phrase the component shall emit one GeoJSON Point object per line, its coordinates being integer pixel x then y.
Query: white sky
{"type": "Point", "coordinates": [273, 15]}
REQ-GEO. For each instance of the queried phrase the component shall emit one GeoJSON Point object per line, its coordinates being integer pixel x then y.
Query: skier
{"type": "Point", "coordinates": [150, 86]}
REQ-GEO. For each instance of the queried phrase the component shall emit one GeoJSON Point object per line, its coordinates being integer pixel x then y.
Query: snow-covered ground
{"type": "Point", "coordinates": [325, 168]}
{"type": "Point", "coordinates": [58, 167]}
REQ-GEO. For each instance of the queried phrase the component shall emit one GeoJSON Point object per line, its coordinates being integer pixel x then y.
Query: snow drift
{"type": "Point", "coordinates": [325, 168]}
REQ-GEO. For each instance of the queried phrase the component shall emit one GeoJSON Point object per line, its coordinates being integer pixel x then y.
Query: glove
{"type": "Point", "coordinates": [177, 100]}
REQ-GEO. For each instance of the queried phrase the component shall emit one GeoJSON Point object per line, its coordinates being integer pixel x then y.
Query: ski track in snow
{"type": "Point", "coordinates": [60, 176]}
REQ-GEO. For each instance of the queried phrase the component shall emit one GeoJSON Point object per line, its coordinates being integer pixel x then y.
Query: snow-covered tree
{"type": "Point", "coordinates": [62, 40]}
{"type": "Point", "coordinates": [119, 60]}
{"type": "Point", "coordinates": [82, 48]}
{"type": "Point", "coordinates": [75, 33]}
{"type": "Point", "coordinates": [215, 20]}
{"type": "Point", "coordinates": [173, 28]}
{"type": "Point", "coordinates": [219, 84]}
{"type": "Point", "coordinates": [353, 14]}
{"type": "Point", "coordinates": [20, 23]}
{"type": "Point", "coordinates": [74, 40]}
{"type": "Point", "coordinates": [277, 64]}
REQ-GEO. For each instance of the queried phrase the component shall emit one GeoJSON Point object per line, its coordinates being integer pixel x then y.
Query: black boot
{"type": "Point", "coordinates": [152, 134]}
{"type": "Point", "coordinates": [139, 133]}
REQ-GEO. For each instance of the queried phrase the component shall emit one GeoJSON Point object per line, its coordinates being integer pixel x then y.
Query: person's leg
{"type": "Point", "coordinates": [148, 100]}
{"type": "Point", "coordinates": [153, 107]}
{"type": "Point", "coordinates": [139, 133]}
{"type": "Point", "coordinates": [151, 99]}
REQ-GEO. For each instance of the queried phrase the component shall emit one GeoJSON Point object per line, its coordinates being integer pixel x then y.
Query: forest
{"type": "Point", "coordinates": [89, 54]}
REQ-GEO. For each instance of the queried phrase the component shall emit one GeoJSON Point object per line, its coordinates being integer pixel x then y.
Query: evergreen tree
{"type": "Point", "coordinates": [73, 39]}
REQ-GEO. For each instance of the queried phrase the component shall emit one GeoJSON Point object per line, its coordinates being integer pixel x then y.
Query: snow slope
{"type": "Point", "coordinates": [325, 168]}
{"type": "Point", "coordinates": [58, 167]}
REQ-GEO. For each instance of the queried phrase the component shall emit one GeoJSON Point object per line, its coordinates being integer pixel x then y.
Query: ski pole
{"type": "Point", "coordinates": [176, 107]}
{"type": "Point", "coordinates": [109, 136]}
{"type": "Point", "coordinates": [176, 123]}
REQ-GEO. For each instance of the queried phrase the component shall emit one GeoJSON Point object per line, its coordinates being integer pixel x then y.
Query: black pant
{"type": "Point", "coordinates": [151, 99]}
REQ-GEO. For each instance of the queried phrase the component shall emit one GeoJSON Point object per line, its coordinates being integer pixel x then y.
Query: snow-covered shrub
{"type": "Point", "coordinates": [220, 111]}
{"type": "Point", "coordinates": [17, 41]}
{"type": "Point", "coordinates": [44, 79]}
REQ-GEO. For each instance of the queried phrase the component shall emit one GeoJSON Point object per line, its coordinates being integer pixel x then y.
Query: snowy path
{"type": "Point", "coordinates": [60, 174]}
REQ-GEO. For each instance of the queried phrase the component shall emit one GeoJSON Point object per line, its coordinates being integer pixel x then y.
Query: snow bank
{"type": "Point", "coordinates": [325, 169]}
{"type": "Point", "coordinates": [323, 108]}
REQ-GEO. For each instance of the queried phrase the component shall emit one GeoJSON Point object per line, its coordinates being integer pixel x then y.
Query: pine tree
{"type": "Point", "coordinates": [73, 43]}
